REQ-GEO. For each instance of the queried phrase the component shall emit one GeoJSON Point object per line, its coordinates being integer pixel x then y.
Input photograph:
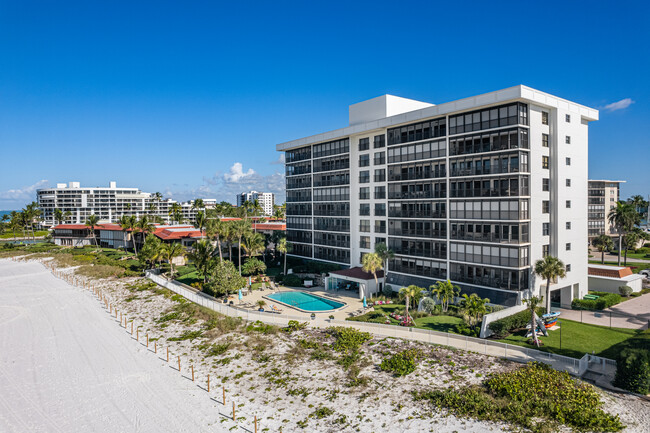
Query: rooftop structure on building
{"type": "Point", "coordinates": [474, 190]}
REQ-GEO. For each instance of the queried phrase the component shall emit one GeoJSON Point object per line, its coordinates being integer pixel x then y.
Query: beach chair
{"type": "Point", "coordinates": [275, 309]}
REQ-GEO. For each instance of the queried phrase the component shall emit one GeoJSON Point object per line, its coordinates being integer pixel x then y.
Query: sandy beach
{"type": "Point", "coordinates": [67, 365]}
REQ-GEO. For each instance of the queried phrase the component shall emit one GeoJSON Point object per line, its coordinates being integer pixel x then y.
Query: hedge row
{"type": "Point", "coordinates": [606, 300]}
{"type": "Point", "coordinates": [633, 364]}
{"type": "Point", "coordinates": [505, 326]}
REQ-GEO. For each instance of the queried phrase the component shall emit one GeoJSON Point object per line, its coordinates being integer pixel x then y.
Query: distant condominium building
{"type": "Point", "coordinates": [603, 196]}
{"type": "Point", "coordinates": [265, 199]}
{"type": "Point", "coordinates": [475, 191]}
{"type": "Point", "coordinates": [107, 203]}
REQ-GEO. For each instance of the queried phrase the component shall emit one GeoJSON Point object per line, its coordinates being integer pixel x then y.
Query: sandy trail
{"type": "Point", "coordinates": [66, 366]}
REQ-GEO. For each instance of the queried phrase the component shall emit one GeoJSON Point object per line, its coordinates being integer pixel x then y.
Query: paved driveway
{"type": "Point", "coordinates": [632, 314]}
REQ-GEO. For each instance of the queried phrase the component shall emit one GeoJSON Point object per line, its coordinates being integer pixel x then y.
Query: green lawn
{"type": "Point", "coordinates": [577, 339]}
{"type": "Point", "coordinates": [436, 323]}
{"type": "Point", "coordinates": [192, 277]}
{"type": "Point", "coordinates": [10, 235]}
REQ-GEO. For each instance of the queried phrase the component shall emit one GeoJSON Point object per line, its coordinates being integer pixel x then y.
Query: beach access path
{"type": "Point", "coordinates": [65, 366]}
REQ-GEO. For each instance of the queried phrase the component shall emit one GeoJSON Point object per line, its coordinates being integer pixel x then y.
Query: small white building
{"type": "Point", "coordinates": [604, 278]}
{"type": "Point", "coordinates": [356, 279]}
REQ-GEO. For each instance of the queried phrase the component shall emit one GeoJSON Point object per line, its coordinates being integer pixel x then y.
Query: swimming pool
{"type": "Point", "coordinates": [306, 301]}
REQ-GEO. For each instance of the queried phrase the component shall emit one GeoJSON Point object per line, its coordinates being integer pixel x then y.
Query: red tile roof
{"type": "Point", "coordinates": [270, 226]}
{"type": "Point", "coordinates": [357, 273]}
{"type": "Point", "coordinates": [170, 234]}
{"type": "Point", "coordinates": [72, 227]}
{"type": "Point", "coordinates": [615, 272]}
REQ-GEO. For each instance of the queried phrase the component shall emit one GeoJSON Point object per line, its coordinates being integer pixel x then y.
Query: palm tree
{"type": "Point", "coordinates": [549, 268]}
{"type": "Point", "coordinates": [176, 213]}
{"type": "Point", "coordinates": [201, 255]}
{"type": "Point", "coordinates": [633, 237]}
{"type": "Point", "coordinates": [639, 203]}
{"type": "Point", "coordinates": [603, 243]}
{"type": "Point", "coordinates": [474, 307]}
{"type": "Point", "coordinates": [372, 263]}
{"type": "Point", "coordinates": [32, 214]}
{"type": "Point", "coordinates": [14, 222]}
{"type": "Point", "coordinates": [58, 216]}
{"type": "Point", "coordinates": [245, 207]}
{"type": "Point", "coordinates": [532, 303]}
{"type": "Point", "coordinates": [92, 222]}
{"type": "Point", "coordinates": [240, 229]}
{"type": "Point", "coordinates": [200, 221]}
{"type": "Point", "coordinates": [144, 226]}
{"type": "Point", "coordinates": [445, 291]}
{"type": "Point", "coordinates": [279, 212]}
{"type": "Point", "coordinates": [198, 204]}
{"type": "Point", "coordinates": [123, 221]}
{"type": "Point", "coordinates": [253, 244]}
{"type": "Point", "coordinates": [410, 293]}
{"type": "Point", "coordinates": [283, 246]}
{"type": "Point", "coordinates": [623, 217]}
{"type": "Point", "coordinates": [261, 303]}
{"type": "Point", "coordinates": [129, 223]}
{"type": "Point", "coordinates": [172, 251]}
{"type": "Point", "coordinates": [215, 229]}
{"type": "Point", "coordinates": [385, 254]}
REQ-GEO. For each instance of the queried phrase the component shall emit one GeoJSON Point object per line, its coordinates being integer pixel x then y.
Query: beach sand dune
{"type": "Point", "coordinates": [65, 366]}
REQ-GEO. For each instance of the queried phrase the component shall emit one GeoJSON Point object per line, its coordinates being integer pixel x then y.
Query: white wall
{"type": "Point", "coordinates": [611, 285]}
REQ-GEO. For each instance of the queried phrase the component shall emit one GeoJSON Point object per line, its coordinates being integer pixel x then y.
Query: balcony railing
{"type": "Point", "coordinates": [398, 213]}
{"type": "Point", "coordinates": [489, 237]}
{"type": "Point", "coordinates": [418, 233]}
{"type": "Point", "coordinates": [522, 168]}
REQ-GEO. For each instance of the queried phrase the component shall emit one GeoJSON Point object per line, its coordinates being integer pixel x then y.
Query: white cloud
{"type": "Point", "coordinates": [237, 173]}
{"type": "Point", "coordinates": [224, 187]}
{"type": "Point", "coordinates": [279, 161]}
{"type": "Point", "coordinates": [27, 193]}
{"type": "Point", "coordinates": [619, 105]}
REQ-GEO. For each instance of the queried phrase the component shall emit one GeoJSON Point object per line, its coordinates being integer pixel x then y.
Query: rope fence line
{"type": "Point", "coordinates": [111, 309]}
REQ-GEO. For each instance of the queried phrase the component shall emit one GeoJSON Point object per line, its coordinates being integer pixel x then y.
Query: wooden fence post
{"type": "Point", "coordinates": [224, 395]}
{"type": "Point", "coordinates": [155, 347]}
{"type": "Point", "coordinates": [233, 411]}
{"type": "Point", "coordinates": [137, 334]}
{"type": "Point", "coordinates": [179, 363]}
{"type": "Point", "coordinates": [168, 354]}
{"type": "Point", "coordinates": [255, 423]}
{"type": "Point", "coordinates": [131, 327]}
{"type": "Point", "coordinates": [192, 373]}
{"type": "Point", "coordinates": [147, 341]}
{"type": "Point", "coordinates": [208, 383]}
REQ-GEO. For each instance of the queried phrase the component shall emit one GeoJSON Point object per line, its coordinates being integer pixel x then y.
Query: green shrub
{"type": "Point", "coordinates": [348, 339]}
{"type": "Point", "coordinates": [294, 325]}
{"type": "Point", "coordinates": [503, 327]}
{"type": "Point", "coordinates": [387, 290]}
{"type": "Point", "coordinates": [262, 327]}
{"type": "Point", "coordinates": [463, 329]}
{"type": "Point", "coordinates": [606, 300]}
{"type": "Point", "coordinates": [187, 335]}
{"type": "Point", "coordinates": [535, 397]}
{"type": "Point", "coordinates": [292, 280]}
{"type": "Point", "coordinates": [402, 363]}
{"type": "Point", "coordinates": [633, 371]}
{"type": "Point", "coordinates": [428, 305]}
{"type": "Point", "coordinates": [625, 291]}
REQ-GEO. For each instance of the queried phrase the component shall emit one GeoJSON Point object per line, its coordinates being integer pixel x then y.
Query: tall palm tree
{"type": "Point", "coordinates": [632, 237]}
{"type": "Point", "coordinates": [603, 243]}
{"type": "Point", "coordinates": [532, 303]}
{"type": "Point", "coordinates": [201, 255]}
{"type": "Point", "coordinates": [216, 229]}
{"type": "Point", "coordinates": [410, 293]}
{"type": "Point", "coordinates": [245, 208]}
{"type": "Point", "coordinates": [14, 222]}
{"type": "Point", "coordinates": [639, 204]}
{"type": "Point", "coordinates": [92, 223]}
{"type": "Point", "coordinates": [144, 227]}
{"type": "Point", "coordinates": [176, 213]}
{"type": "Point", "coordinates": [253, 244]}
{"type": "Point", "coordinates": [385, 254]}
{"type": "Point", "coordinates": [130, 223]}
{"type": "Point", "coordinates": [279, 212]}
{"type": "Point", "coordinates": [198, 204]}
{"type": "Point", "coordinates": [32, 214]}
{"type": "Point", "coordinates": [372, 263]}
{"type": "Point", "coordinates": [283, 246]}
{"type": "Point", "coordinates": [240, 229]}
{"type": "Point", "coordinates": [57, 215]}
{"type": "Point", "coordinates": [445, 291]}
{"type": "Point", "coordinates": [200, 221]}
{"type": "Point", "coordinates": [549, 268]}
{"type": "Point", "coordinates": [623, 217]}
{"type": "Point", "coordinates": [172, 251]}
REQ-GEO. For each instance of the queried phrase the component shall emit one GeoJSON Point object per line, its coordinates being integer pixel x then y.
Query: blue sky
{"type": "Point", "coordinates": [190, 98]}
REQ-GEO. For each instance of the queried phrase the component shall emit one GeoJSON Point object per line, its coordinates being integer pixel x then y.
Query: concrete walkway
{"type": "Point", "coordinates": [631, 314]}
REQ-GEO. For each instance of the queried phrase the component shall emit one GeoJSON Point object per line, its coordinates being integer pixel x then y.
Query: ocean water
{"type": "Point", "coordinates": [4, 212]}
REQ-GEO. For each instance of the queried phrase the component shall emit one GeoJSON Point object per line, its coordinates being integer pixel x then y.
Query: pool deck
{"type": "Point", "coordinates": [350, 298]}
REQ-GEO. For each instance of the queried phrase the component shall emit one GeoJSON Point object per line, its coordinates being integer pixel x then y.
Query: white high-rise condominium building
{"type": "Point", "coordinates": [108, 203]}
{"type": "Point", "coordinates": [475, 191]}
{"type": "Point", "coordinates": [265, 199]}
{"type": "Point", "coordinates": [603, 196]}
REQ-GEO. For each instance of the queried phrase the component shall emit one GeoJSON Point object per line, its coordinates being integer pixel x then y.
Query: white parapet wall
{"type": "Point", "coordinates": [489, 318]}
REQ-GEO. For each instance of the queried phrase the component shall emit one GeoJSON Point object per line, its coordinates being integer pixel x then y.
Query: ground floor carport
{"type": "Point", "coordinates": [355, 279]}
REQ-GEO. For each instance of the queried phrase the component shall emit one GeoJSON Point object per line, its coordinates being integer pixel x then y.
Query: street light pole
{"type": "Point", "coordinates": [560, 324]}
